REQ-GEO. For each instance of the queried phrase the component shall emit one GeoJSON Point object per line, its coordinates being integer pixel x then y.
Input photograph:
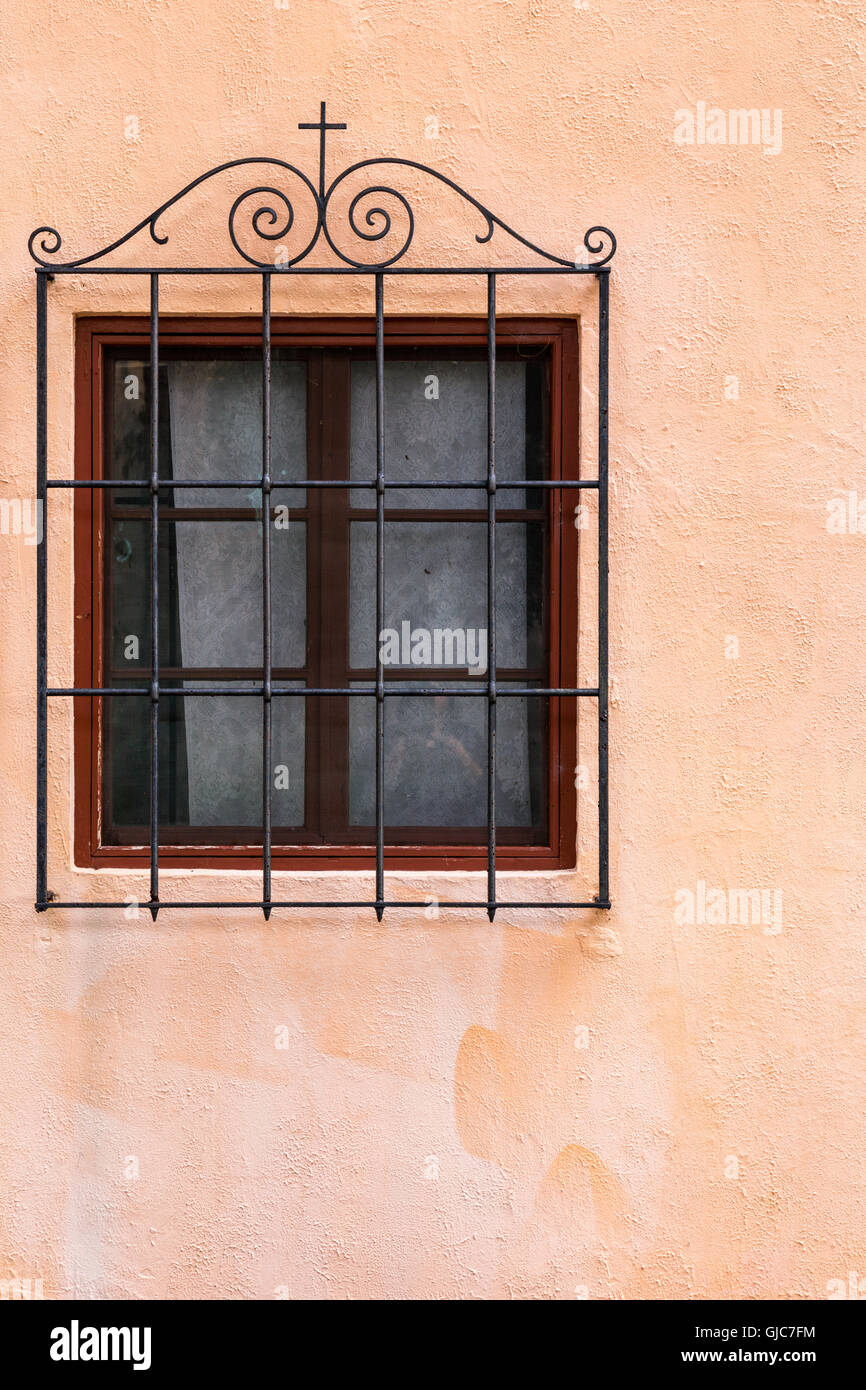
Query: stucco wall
{"type": "Point", "coordinates": [628, 1105]}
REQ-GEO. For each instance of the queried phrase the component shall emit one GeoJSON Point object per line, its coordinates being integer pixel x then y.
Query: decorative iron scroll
{"type": "Point", "coordinates": [273, 221]}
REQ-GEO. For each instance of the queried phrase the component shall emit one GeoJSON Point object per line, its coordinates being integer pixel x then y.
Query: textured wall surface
{"type": "Point", "coordinates": [654, 1102]}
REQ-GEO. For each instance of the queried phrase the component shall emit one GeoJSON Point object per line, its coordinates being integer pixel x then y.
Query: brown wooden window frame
{"type": "Point", "coordinates": [96, 338]}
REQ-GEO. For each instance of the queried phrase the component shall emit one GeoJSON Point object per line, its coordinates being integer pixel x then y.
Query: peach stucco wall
{"type": "Point", "coordinates": [629, 1104]}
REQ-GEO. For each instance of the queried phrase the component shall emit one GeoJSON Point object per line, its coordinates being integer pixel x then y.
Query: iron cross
{"type": "Point", "coordinates": [321, 125]}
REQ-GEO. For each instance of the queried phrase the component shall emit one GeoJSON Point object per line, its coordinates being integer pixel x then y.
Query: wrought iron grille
{"type": "Point", "coordinates": [270, 225]}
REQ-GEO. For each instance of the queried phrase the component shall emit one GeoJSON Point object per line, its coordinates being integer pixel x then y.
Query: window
{"type": "Point", "coordinates": [323, 584]}
{"type": "Point", "coordinates": [200, 391]}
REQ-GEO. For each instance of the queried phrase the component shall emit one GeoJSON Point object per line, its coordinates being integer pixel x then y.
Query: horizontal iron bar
{"type": "Point", "coordinates": [255, 690]}
{"type": "Point", "coordinates": [288, 270]}
{"type": "Point", "coordinates": [165, 906]}
{"type": "Point", "coordinates": [144, 483]}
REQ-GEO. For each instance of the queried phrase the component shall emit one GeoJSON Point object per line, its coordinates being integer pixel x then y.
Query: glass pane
{"type": "Point", "coordinates": [224, 760]}
{"type": "Point", "coordinates": [436, 583]}
{"type": "Point", "coordinates": [210, 596]}
{"type": "Point", "coordinates": [436, 761]}
{"type": "Point", "coordinates": [210, 769]}
{"type": "Point", "coordinates": [436, 427]}
{"type": "Point", "coordinates": [216, 427]}
{"type": "Point", "coordinates": [126, 764]}
{"type": "Point", "coordinates": [219, 571]}
{"type": "Point", "coordinates": [210, 600]}
{"type": "Point", "coordinates": [128, 425]}
{"type": "Point", "coordinates": [210, 426]}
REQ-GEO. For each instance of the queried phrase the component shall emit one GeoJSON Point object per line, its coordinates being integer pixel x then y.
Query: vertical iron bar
{"type": "Point", "coordinates": [380, 597]}
{"type": "Point", "coordinates": [41, 590]}
{"type": "Point", "coordinates": [491, 596]}
{"type": "Point", "coordinates": [154, 596]}
{"type": "Point", "coordinates": [267, 654]}
{"type": "Point", "coordinates": [603, 352]}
